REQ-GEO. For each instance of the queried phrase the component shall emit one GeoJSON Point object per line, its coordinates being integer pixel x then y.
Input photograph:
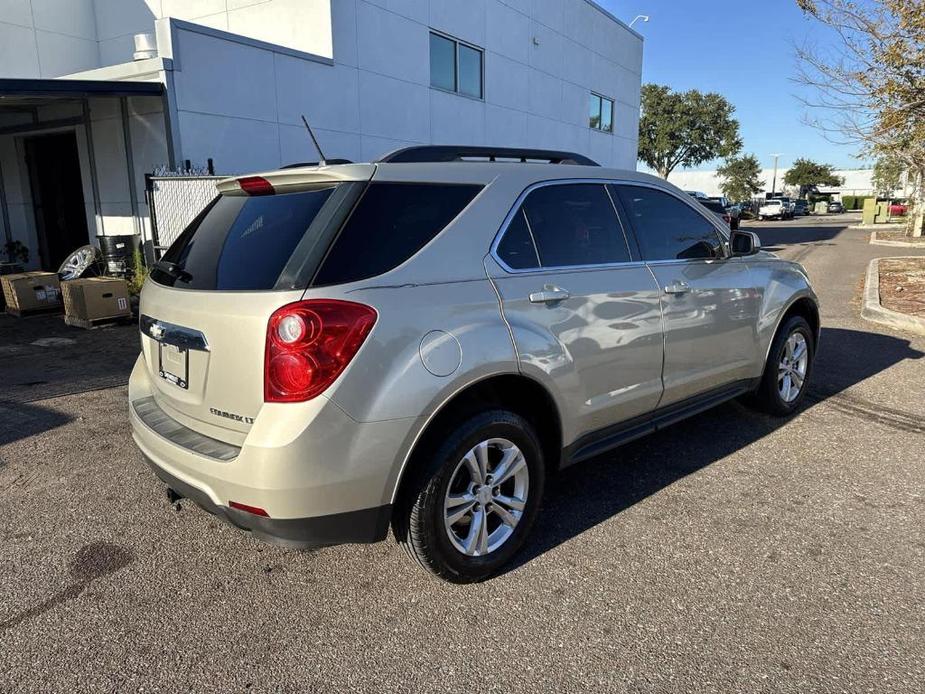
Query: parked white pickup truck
{"type": "Point", "coordinates": [772, 208]}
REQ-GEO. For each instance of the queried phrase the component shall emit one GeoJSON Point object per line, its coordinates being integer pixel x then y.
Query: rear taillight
{"type": "Point", "coordinates": [255, 185]}
{"type": "Point", "coordinates": [309, 343]}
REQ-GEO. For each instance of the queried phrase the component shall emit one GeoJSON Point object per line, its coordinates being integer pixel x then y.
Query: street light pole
{"type": "Point", "coordinates": [774, 181]}
{"type": "Point", "coordinates": [643, 17]}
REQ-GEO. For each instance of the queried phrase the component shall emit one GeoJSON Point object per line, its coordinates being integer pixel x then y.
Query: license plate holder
{"type": "Point", "coordinates": [173, 364]}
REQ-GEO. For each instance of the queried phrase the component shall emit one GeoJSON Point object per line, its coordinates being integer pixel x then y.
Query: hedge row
{"type": "Point", "coordinates": [855, 202]}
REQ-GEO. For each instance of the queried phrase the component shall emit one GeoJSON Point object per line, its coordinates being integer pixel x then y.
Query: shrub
{"type": "Point", "coordinates": [849, 201]}
{"type": "Point", "coordinates": [141, 273]}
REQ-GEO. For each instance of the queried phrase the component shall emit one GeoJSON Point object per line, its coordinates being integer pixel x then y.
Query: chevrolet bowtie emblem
{"type": "Point", "coordinates": [157, 331]}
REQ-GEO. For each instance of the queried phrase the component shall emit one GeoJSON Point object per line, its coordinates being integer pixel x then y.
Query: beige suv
{"type": "Point", "coordinates": [423, 341]}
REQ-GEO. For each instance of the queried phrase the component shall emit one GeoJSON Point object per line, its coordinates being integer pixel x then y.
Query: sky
{"type": "Point", "coordinates": [744, 50]}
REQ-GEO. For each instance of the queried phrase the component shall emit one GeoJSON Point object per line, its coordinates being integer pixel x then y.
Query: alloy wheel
{"type": "Point", "coordinates": [791, 372]}
{"type": "Point", "coordinates": [486, 497]}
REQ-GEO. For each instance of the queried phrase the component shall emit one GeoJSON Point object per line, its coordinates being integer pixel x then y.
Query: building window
{"type": "Point", "coordinates": [455, 66]}
{"type": "Point", "coordinates": [601, 113]}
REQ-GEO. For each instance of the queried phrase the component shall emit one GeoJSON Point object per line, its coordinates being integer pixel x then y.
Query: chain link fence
{"type": "Point", "coordinates": [174, 201]}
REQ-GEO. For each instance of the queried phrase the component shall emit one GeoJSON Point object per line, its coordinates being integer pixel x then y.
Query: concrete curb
{"type": "Point", "coordinates": [886, 242]}
{"type": "Point", "coordinates": [877, 227]}
{"type": "Point", "coordinates": [872, 309]}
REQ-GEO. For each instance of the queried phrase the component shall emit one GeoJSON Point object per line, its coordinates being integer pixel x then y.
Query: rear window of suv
{"type": "Point", "coordinates": [282, 241]}
{"type": "Point", "coordinates": [245, 243]}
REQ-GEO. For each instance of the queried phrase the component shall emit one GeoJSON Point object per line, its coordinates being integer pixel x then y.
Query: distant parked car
{"type": "Point", "coordinates": [772, 209]}
{"type": "Point", "coordinates": [835, 207]}
{"type": "Point", "coordinates": [898, 209]}
{"type": "Point", "coordinates": [734, 211]}
{"type": "Point", "coordinates": [788, 206]}
{"type": "Point", "coordinates": [720, 211]}
{"type": "Point", "coordinates": [746, 207]}
{"type": "Point", "coordinates": [800, 208]}
{"type": "Point", "coordinates": [696, 194]}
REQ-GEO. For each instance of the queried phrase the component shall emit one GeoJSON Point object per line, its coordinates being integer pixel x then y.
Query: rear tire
{"type": "Point", "coordinates": [467, 514]}
{"type": "Point", "coordinates": [788, 370]}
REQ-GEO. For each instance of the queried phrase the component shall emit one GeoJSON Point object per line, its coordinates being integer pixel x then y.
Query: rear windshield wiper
{"type": "Point", "coordinates": [173, 270]}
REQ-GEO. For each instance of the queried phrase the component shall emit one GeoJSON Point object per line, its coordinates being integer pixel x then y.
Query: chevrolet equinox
{"type": "Point", "coordinates": [422, 341]}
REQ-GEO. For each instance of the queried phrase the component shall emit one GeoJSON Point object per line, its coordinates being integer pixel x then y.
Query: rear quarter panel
{"type": "Point", "coordinates": [457, 327]}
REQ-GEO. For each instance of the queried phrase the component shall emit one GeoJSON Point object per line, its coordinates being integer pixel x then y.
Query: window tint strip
{"type": "Point", "coordinates": [536, 249]}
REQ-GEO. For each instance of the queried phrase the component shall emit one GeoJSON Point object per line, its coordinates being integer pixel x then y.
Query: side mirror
{"type": "Point", "coordinates": [744, 243]}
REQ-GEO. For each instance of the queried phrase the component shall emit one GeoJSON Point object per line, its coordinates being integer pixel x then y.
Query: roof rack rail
{"type": "Point", "coordinates": [447, 153]}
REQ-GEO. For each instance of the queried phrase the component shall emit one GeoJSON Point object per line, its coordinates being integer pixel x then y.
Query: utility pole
{"type": "Point", "coordinates": [774, 181]}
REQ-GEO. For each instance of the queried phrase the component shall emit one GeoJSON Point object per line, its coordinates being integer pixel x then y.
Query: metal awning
{"type": "Point", "coordinates": [32, 92]}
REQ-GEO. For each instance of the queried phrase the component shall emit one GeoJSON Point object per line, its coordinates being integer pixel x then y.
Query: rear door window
{"type": "Point", "coordinates": [252, 243]}
{"type": "Point", "coordinates": [571, 224]}
{"type": "Point", "coordinates": [667, 228]}
{"type": "Point", "coordinates": [391, 222]}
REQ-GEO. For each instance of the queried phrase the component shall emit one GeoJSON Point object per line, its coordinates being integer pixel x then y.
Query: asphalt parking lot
{"type": "Point", "coordinates": [731, 552]}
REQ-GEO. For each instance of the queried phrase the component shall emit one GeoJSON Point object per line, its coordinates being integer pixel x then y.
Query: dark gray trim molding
{"type": "Point", "coordinates": [77, 89]}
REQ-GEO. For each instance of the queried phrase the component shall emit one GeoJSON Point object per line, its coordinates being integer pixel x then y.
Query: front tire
{"type": "Point", "coordinates": [788, 370]}
{"type": "Point", "coordinates": [476, 501]}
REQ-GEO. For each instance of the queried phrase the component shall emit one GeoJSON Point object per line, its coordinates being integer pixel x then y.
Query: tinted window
{"type": "Point", "coordinates": [600, 115]}
{"type": "Point", "coordinates": [516, 248]}
{"type": "Point", "coordinates": [606, 115]}
{"type": "Point", "coordinates": [594, 114]}
{"type": "Point", "coordinates": [470, 71]}
{"type": "Point", "coordinates": [391, 223]}
{"type": "Point", "coordinates": [667, 228]}
{"type": "Point", "coordinates": [442, 63]}
{"type": "Point", "coordinates": [574, 224]}
{"type": "Point", "coordinates": [241, 242]}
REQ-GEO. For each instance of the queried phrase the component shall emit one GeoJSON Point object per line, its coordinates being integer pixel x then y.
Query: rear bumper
{"type": "Point", "coordinates": [322, 477]}
{"type": "Point", "coordinates": [363, 526]}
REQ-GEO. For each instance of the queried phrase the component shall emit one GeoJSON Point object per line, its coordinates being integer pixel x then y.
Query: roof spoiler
{"type": "Point", "coordinates": [450, 153]}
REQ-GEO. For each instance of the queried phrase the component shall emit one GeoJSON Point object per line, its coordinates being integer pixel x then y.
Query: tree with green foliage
{"type": "Point", "coordinates": [740, 177]}
{"type": "Point", "coordinates": [809, 175]}
{"type": "Point", "coordinates": [685, 128]}
{"type": "Point", "coordinates": [866, 85]}
{"type": "Point", "coordinates": [888, 175]}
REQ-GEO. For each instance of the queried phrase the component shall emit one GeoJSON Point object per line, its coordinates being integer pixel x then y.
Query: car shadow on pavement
{"type": "Point", "coordinates": [776, 238]}
{"type": "Point", "coordinates": [42, 358]}
{"type": "Point", "coordinates": [20, 420]}
{"type": "Point", "coordinates": [585, 495]}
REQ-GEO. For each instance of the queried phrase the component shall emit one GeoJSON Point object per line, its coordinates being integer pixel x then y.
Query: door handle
{"type": "Point", "coordinates": [678, 287]}
{"type": "Point", "coordinates": [549, 294]}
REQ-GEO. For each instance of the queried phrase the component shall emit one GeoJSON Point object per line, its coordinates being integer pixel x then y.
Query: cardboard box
{"type": "Point", "coordinates": [95, 298]}
{"type": "Point", "coordinates": [31, 291]}
{"type": "Point", "coordinates": [8, 269]}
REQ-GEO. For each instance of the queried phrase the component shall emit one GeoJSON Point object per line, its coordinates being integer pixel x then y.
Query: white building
{"type": "Point", "coordinates": [231, 78]}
